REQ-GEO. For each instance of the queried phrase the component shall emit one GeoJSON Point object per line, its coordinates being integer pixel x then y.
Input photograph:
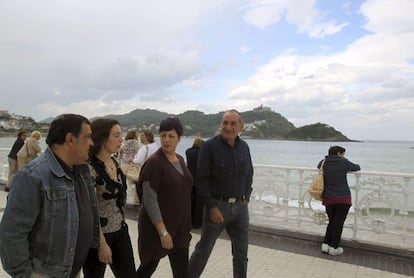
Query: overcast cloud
{"type": "Point", "coordinates": [348, 64]}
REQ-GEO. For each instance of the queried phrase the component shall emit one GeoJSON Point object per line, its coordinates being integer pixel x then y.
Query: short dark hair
{"type": "Point", "coordinates": [64, 124]}
{"type": "Point", "coordinates": [170, 124]}
{"type": "Point", "coordinates": [21, 133]}
{"type": "Point", "coordinates": [101, 129]}
{"type": "Point", "coordinates": [334, 150]}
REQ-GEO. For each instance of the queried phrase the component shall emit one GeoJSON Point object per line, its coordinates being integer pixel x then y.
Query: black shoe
{"type": "Point", "coordinates": [6, 188]}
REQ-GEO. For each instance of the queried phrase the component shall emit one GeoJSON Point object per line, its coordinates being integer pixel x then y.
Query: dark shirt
{"type": "Point", "coordinates": [18, 144]}
{"type": "Point", "coordinates": [85, 230]}
{"type": "Point", "coordinates": [192, 157]}
{"type": "Point", "coordinates": [223, 170]}
{"type": "Point", "coordinates": [197, 206]}
{"type": "Point", "coordinates": [336, 189]}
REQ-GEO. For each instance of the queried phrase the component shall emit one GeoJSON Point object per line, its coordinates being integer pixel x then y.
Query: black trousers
{"type": "Point", "coordinates": [178, 262]}
{"type": "Point", "coordinates": [123, 264]}
{"type": "Point", "coordinates": [337, 214]}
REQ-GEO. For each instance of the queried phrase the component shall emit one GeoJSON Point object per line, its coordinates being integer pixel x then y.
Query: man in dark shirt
{"type": "Point", "coordinates": [12, 157]}
{"type": "Point", "coordinates": [224, 182]}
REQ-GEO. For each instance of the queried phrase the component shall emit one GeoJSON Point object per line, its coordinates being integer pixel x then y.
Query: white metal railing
{"type": "Point", "coordinates": [382, 213]}
{"type": "Point", "coordinates": [4, 165]}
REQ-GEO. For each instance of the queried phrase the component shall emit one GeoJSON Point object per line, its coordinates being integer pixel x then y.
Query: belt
{"type": "Point", "coordinates": [232, 200]}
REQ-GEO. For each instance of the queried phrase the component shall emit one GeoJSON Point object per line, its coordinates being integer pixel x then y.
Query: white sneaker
{"type": "Point", "coordinates": [335, 251]}
{"type": "Point", "coordinates": [325, 248]}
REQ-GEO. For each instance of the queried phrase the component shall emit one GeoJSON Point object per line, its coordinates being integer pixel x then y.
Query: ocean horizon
{"type": "Point", "coordinates": [371, 155]}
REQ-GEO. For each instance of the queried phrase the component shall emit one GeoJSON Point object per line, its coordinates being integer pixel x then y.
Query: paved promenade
{"type": "Point", "coordinates": [280, 256]}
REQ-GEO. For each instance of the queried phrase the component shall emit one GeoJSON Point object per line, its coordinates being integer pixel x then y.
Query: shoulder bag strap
{"type": "Point", "coordinates": [146, 154]}
{"type": "Point", "coordinates": [321, 168]}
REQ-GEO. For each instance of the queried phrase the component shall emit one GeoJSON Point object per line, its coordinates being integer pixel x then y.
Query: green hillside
{"type": "Point", "coordinates": [317, 132]}
{"type": "Point", "coordinates": [259, 123]}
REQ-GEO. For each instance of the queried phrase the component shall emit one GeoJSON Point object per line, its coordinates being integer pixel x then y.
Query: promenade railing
{"type": "Point", "coordinates": [382, 213]}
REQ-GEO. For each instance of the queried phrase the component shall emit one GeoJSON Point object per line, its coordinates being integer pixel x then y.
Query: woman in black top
{"type": "Point", "coordinates": [115, 244]}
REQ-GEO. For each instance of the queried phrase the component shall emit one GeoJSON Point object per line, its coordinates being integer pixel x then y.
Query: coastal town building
{"type": "Point", "coordinates": [11, 122]}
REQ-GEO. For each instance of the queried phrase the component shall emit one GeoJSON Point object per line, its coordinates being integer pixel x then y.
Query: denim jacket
{"type": "Point", "coordinates": [39, 228]}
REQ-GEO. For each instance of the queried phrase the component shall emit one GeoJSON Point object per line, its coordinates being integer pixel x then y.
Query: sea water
{"type": "Point", "coordinates": [377, 156]}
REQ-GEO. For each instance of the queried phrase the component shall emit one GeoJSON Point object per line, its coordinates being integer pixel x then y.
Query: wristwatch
{"type": "Point", "coordinates": [163, 232]}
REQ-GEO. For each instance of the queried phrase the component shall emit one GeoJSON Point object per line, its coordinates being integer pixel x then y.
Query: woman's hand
{"type": "Point", "coordinates": [166, 241]}
{"type": "Point", "coordinates": [105, 253]}
{"type": "Point", "coordinates": [165, 237]}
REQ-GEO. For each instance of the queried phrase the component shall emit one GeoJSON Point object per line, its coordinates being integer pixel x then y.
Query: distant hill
{"type": "Point", "coordinates": [261, 123]}
{"type": "Point", "coordinates": [47, 120]}
{"type": "Point", "coordinates": [317, 132]}
{"type": "Point", "coordinates": [140, 117]}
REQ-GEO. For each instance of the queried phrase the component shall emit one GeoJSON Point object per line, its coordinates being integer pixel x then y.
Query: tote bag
{"type": "Point", "coordinates": [134, 169]}
{"type": "Point", "coordinates": [316, 188]}
{"type": "Point", "coordinates": [133, 172]}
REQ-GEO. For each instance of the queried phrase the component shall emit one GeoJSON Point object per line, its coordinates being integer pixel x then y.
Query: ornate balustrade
{"type": "Point", "coordinates": [3, 164]}
{"type": "Point", "coordinates": [382, 213]}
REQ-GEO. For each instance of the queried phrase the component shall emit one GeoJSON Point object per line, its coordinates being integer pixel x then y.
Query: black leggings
{"type": "Point", "coordinates": [123, 264]}
{"type": "Point", "coordinates": [337, 214]}
{"type": "Point", "coordinates": [178, 262]}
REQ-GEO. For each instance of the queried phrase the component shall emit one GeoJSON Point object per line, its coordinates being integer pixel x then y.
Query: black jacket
{"type": "Point", "coordinates": [335, 171]}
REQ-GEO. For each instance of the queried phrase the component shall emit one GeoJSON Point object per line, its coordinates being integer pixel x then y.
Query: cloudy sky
{"type": "Point", "coordinates": [345, 63]}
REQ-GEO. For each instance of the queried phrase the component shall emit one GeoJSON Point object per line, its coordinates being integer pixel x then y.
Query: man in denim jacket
{"type": "Point", "coordinates": [51, 218]}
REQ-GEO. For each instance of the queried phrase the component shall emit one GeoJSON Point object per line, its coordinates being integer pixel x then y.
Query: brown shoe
{"type": "Point", "coordinates": [6, 188]}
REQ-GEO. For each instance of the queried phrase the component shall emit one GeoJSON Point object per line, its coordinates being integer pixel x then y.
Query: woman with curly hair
{"type": "Point", "coordinates": [115, 247]}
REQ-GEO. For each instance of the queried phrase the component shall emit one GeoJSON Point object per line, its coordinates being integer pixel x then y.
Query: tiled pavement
{"type": "Point", "coordinates": [282, 256]}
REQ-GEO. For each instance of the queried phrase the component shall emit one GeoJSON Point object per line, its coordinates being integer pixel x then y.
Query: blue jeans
{"type": "Point", "coordinates": [236, 223]}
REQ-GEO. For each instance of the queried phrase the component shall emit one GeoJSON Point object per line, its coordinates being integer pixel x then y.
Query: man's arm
{"type": "Point", "coordinates": [250, 181]}
{"type": "Point", "coordinates": [19, 217]}
{"type": "Point", "coordinates": [250, 174]}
